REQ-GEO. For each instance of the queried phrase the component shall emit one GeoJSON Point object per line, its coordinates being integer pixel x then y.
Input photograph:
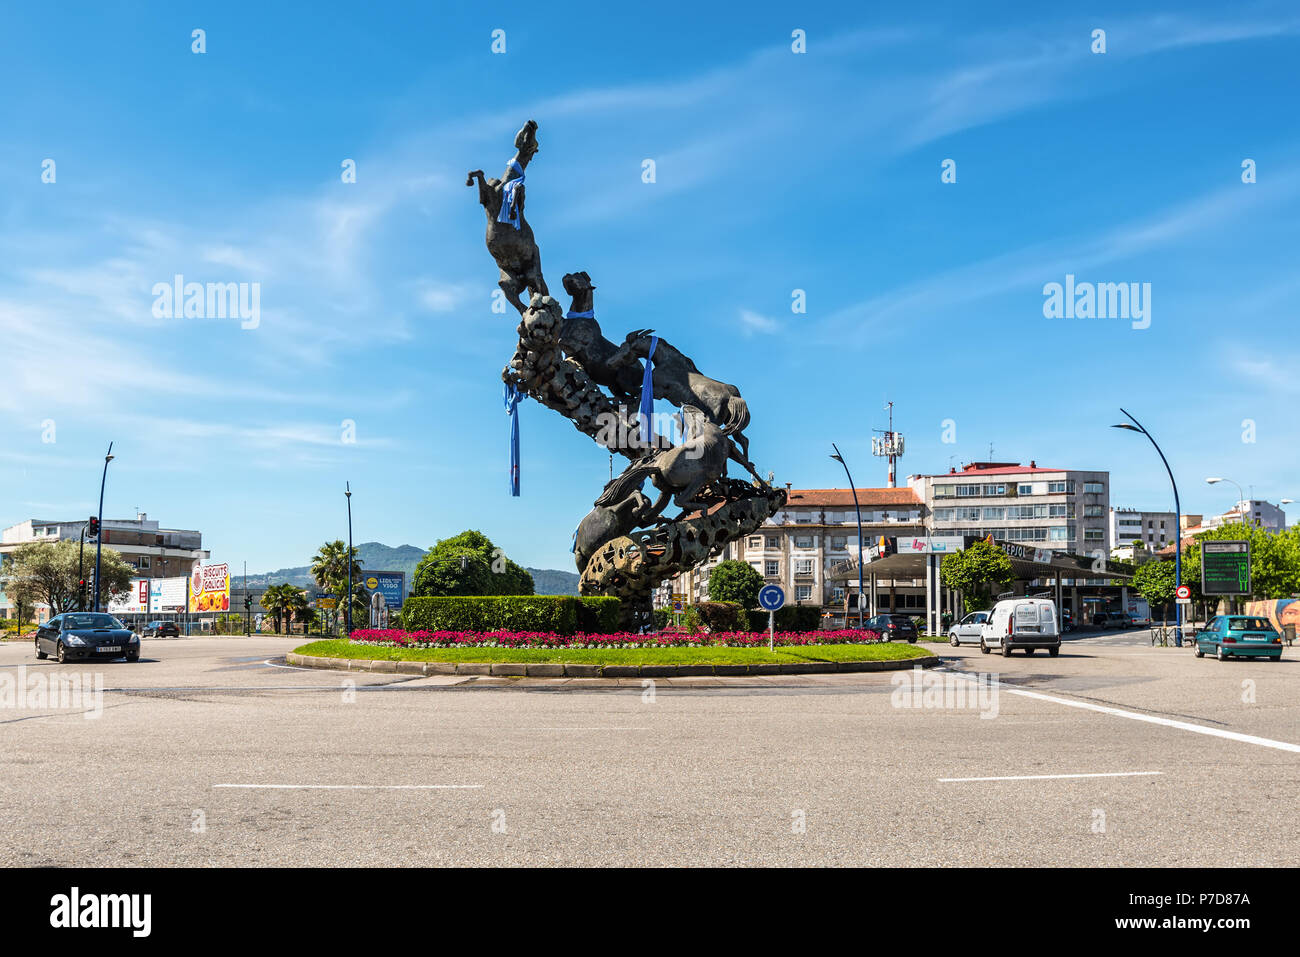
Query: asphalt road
{"type": "Point", "coordinates": [1203, 761]}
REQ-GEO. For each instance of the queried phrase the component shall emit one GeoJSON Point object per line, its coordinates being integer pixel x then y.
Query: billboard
{"type": "Point", "coordinates": [392, 585]}
{"type": "Point", "coordinates": [209, 588]}
{"type": "Point", "coordinates": [1225, 568]}
{"type": "Point", "coordinates": [167, 594]}
{"type": "Point", "coordinates": [134, 601]}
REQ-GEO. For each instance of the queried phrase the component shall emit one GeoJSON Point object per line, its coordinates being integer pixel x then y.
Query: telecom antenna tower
{"type": "Point", "coordinates": [889, 444]}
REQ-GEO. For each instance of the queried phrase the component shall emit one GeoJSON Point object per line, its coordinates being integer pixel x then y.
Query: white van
{"type": "Point", "coordinates": [1027, 623]}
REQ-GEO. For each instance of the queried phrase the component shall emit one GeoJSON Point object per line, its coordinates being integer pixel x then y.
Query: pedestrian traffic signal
{"type": "Point", "coordinates": [92, 529]}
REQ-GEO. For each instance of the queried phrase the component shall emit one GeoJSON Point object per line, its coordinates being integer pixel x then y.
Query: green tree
{"type": "Point", "coordinates": [469, 564]}
{"type": "Point", "coordinates": [279, 600]}
{"type": "Point", "coordinates": [1274, 559]}
{"type": "Point", "coordinates": [735, 581]}
{"type": "Point", "coordinates": [976, 571]}
{"type": "Point", "coordinates": [46, 573]}
{"type": "Point", "coordinates": [1154, 581]}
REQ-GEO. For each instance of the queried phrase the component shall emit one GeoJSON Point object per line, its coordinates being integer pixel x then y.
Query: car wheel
{"type": "Point", "coordinates": [1006, 648]}
{"type": "Point", "coordinates": [39, 654]}
{"type": "Point", "coordinates": [983, 647]}
{"type": "Point", "coordinates": [59, 654]}
{"type": "Point", "coordinates": [1053, 651]}
{"type": "Point", "coordinates": [953, 641]}
{"type": "Point", "coordinates": [1222, 656]}
{"type": "Point", "coordinates": [134, 657]}
{"type": "Point", "coordinates": [912, 640]}
{"type": "Point", "coordinates": [1199, 652]}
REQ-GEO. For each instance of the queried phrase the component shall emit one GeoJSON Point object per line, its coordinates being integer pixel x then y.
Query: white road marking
{"type": "Point", "coordinates": [1151, 719]}
{"type": "Point", "coordinates": [1053, 777]}
{"type": "Point", "coordinates": [353, 787]}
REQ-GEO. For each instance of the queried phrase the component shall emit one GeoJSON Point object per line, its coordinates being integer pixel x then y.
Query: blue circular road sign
{"type": "Point", "coordinates": [771, 597]}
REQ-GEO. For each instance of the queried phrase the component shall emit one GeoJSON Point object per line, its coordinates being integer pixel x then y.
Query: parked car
{"type": "Point", "coordinates": [1028, 623]}
{"type": "Point", "coordinates": [1239, 636]}
{"type": "Point", "coordinates": [161, 629]}
{"type": "Point", "coordinates": [1110, 619]}
{"type": "Point", "coordinates": [968, 629]}
{"type": "Point", "coordinates": [79, 635]}
{"type": "Point", "coordinates": [893, 626]}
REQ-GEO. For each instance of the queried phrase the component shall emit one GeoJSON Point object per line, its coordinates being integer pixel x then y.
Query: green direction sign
{"type": "Point", "coordinates": [1225, 568]}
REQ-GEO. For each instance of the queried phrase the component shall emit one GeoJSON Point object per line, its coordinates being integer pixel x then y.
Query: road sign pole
{"type": "Point", "coordinates": [771, 630]}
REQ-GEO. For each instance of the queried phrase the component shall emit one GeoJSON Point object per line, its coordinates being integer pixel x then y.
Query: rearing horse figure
{"type": "Point", "coordinates": [509, 237]}
{"type": "Point", "coordinates": [581, 338]}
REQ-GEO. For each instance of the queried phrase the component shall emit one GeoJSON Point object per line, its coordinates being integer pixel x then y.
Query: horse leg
{"type": "Point", "coordinates": [534, 278]}
{"type": "Point", "coordinates": [512, 287]}
{"type": "Point", "coordinates": [741, 455]}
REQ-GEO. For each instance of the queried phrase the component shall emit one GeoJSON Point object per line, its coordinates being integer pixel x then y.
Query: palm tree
{"type": "Point", "coordinates": [277, 600]}
{"type": "Point", "coordinates": [330, 569]}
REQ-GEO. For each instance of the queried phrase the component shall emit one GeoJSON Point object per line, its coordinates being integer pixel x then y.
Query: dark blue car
{"type": "Point", "coordinates": [82, 635]}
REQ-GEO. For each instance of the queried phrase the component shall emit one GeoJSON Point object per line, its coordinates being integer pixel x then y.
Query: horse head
{"type": "Point", "coordinates": [635, 346]}
{"type": "Point", "coordinates": [526, 142]}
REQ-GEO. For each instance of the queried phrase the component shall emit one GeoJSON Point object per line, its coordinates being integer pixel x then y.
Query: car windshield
{"type": "Point", "coordinates": [1249, 624]}
{"type": "Point", "coordinates": [91, 621]}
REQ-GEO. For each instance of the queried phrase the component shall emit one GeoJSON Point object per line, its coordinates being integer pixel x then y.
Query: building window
{"type": "Point", "coordinates": [803, 518]}
{"type": "Point", "coordinates": [969, 491]}
{"type": "Point", "coordinates": [944, 491]}
{"type": "Point", "coordinates": [1092, 511]}
{"type": "Point", "coordinates": [1093, 488]}
{"type": "Point", "coordinates": [803, 541]}
{"type": "Point", "coordinates": [756, 541]}
{"type": "Point", "coordinates": [995, 490]}
{"type": "Point", "coordinates": [1093, 534]}
{"type": "Point", "coordinates": [1058, 487]}
{"type": "Point", "coordinates": [773, 569]}
{"type": "Point", "coordinates": [943, 514]}
{"type": "Point", "coordinates": [803, 592]}
{"type": "Point", "coordinates": [839, 543]}
{"type": "Point", "coordinates": [803, 566]}
{"type": "Point", "coordinates": [773, 542]}
{"type": "Point", "coordinates": [996, 514]}
{"type": "Point", "coordinates": [144, 561]}
{"type": "Point", "coordinates": [1025, 488]}
{"type": "Point", "coordinates": [1059, 533]}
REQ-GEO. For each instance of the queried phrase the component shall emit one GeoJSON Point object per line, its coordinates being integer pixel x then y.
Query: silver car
{"type": "Point", "coordinates": [968, 629]}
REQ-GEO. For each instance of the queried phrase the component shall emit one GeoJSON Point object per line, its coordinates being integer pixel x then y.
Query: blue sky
{"type": "Point", "coordinates": [775, 171]}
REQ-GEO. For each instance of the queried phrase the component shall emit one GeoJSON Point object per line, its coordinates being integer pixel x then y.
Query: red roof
{"type": "Point", "coordinates": [843, 497]}
{"type": "Point", "coordinates": [996, 468]}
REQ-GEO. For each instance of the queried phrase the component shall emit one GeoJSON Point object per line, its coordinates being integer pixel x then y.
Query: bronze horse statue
{"type": "Point", "coordinates": [511, 245]}
{"type": "Point", "coordinates": [581, 338]}
{"type": "Point", "coordinates": [680, 472]}
{"type": "Point", "coordinates": [604, 523]}
{"type": "Point", "coordinates": [677, 379]}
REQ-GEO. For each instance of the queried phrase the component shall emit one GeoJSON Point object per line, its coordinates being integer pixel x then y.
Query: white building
{"type": "Point", "coordinates": [1154, 530]}
{"type": "Point", "coordinates": [1254, 511]}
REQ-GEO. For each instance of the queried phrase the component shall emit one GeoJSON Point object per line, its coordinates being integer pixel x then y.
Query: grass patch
{"type": "Point", "coordinates": [892, 651]}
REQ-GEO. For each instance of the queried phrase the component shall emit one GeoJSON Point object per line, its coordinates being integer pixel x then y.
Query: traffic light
{"type": "Point", "coordinates": [248, 601]}
{"type": "Point", "coordinates": [92, 529]}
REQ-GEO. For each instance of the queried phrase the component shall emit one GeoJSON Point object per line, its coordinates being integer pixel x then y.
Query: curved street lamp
{"type": "Point", "coordinates": [347, 608]}
{"type": "Point", "coordinates": [1215, 481]}
{"type": "Point", "coordinates": [1178, 517]}
{"type": "Point", "coordinates": [108, 457]}
{"type": "Point", "coordinates": [856, 508]}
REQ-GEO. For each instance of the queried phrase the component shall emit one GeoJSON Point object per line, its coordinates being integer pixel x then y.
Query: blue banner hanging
{"type": "Point", "coordinates": [509, 206]}
{"type": "Point", "coordinates": [646, 414]}
{"type": "Point", "coordinates": [512, 397]}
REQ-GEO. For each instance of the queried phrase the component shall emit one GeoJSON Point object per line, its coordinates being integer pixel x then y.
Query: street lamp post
{"type": "Point", "coordinates": [347, 609]}
{"type": "Point", "coordinates": [1178, 519]}
{"type": "Point", "coordinates": [839, 458]}
{"type": "Point", "coordinates": [1242, 499]}
{"type": "Point", "coordinates": [108, 457]}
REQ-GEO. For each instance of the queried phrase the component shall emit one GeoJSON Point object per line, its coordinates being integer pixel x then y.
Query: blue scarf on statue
{"type": "Point", "coordinates": [647, 411]}
{"type": "Point", "coordinates": [589, 314]}
{"type": "Point", "coordinates": [509, 207]}
{"type": "Point", "coordinates": [512, 397]}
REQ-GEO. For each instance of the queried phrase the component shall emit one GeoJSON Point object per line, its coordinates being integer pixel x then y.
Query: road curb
{"type": "Point", "coordinates": [553, 669]}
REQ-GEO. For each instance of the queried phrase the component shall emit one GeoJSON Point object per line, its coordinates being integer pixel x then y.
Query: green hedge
{"type": "Point", "coordinates": [789, 618]}
{"type": "Point", "coordinates": [561, 614]}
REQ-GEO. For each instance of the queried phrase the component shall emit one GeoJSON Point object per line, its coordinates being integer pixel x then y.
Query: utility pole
{"type": "Point", "coordinates": [347, 609]}
{"type": "Point", "coordinates": [108, 457]}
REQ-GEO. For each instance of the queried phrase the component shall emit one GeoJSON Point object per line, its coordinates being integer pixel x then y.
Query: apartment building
{"type": "Point", "coordinates": [150, 550]}
{"type": "Point", "coordinates": [816, 529]}
{"type": "Point", "coordinates": [1058, 509]}
{"type": "Point", "coordinates": [1254, 511]}
{"type": "Point", "coordinates": [1154, 530]}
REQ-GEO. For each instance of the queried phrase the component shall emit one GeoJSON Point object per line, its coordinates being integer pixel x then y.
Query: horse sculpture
{"type": "Point", "coordinates": [509, 237]}
{"type": "Point", "coordinates": [677, 379]}
{"type": "Point", "coordinates": [581, 338]}
{"type": "Point", "coordinates": [604, 523]}
{"type": "Point", "coordinates": [680, 472]}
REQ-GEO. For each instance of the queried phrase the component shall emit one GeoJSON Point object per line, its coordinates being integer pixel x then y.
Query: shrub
{"type": "Point", "coordinates": [392, 638]}
{"type": "Point", "coordinates": [735, 581]}
{"type": "Point", "coordinates": [719, 616]}
{"type": "Point", "coordinates": [789, 618]}
{"type": "Point", "coordinates": [557, 614]}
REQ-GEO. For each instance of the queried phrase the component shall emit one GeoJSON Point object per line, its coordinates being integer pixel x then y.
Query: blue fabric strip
{"type": "Point", "coordinates": [509, 207]}
{"type": "Point", "coordinates": [512, 397]}
{"type": "Point", "coordinates": [647, 411]}
{"type": "Point", "coordinates": [589, 314]}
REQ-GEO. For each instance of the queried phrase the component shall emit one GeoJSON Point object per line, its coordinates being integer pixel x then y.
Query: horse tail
{"type": "Point", "coordinates": [622, 486]}
{"type": "Point", "coordinates": [737, 416]}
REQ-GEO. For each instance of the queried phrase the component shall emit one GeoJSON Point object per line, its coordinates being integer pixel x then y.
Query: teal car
{"type": "Point", "coordinates": [1239, 636]}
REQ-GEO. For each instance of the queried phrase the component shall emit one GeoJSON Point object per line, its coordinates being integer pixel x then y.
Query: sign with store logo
{"type": "Point", "coordinates": [210, 588]}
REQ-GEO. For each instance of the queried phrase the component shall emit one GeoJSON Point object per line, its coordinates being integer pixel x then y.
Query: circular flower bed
{"type": "Point", "coordinates": [395, 638]}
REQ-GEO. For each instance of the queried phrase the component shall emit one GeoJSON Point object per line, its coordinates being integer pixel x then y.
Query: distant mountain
{"type": "Point", "coordinates": [376, 556]}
